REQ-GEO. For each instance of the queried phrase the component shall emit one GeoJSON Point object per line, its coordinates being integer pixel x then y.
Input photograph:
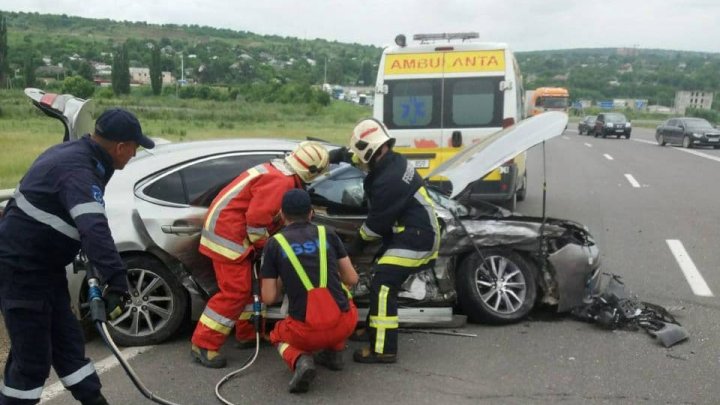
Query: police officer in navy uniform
{"type": "Point", "coordinates": [57, 209]}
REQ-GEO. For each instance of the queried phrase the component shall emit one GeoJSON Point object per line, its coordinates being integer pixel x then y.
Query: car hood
{"type": "Point", "coordinates": [75, 113]}
{"type": "Point", "coordinates": [475, 161]}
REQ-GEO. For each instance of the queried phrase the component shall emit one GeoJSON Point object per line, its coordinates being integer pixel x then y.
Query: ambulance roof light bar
{"type": "Point", "coordinates": [446, 36]}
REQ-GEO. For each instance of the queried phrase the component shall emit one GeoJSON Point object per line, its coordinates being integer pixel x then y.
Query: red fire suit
{"type": "Point", "coordinates": [238, 222]}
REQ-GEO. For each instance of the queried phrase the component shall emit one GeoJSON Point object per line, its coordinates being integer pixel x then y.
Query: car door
{"type": "Point", "coordinates": [599, 124]}
{"type": "Point", "coordinates": [173, 204]}
{"type": "Point", "coordinates": [679, 131]}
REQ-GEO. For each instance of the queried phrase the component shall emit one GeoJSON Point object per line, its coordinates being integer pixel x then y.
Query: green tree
{"type": "Point", "coordinates": [3, 51]}
{"type": "Point", "coordinates": [86, 71]}
{"type": "Point", "coordinates": [120, 76]}
{"type": "Point", "coordinates": [29, 71]}
{"type": "Point", "coordinates": [79, 87]}
{"type": "Point", "coordinates": [156, 70]}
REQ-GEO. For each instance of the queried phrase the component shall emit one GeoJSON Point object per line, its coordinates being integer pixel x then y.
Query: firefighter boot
{"type": "Point", "coordinates": [366, 355]}
{"type": "Point", "coordinates": [330, 359]}
{"type": "Point", "coordinates": [304, 374]}
{"type": "Point", "coordinates": [98, 399]}
{"type": "Point", "coordinates": [208, 358]}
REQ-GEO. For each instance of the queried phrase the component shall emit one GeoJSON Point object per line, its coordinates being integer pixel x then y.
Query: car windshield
{"type": "Point", "coordinates": [341, 192]}
{"type": "Point", "coordinates": [698, 123]}
{"type": "Point", "coordinates": [618, 118]}
{"type": "Point", "coordinates": [590, 118]}
{"type": "Point", "coordinates": [555, 102]}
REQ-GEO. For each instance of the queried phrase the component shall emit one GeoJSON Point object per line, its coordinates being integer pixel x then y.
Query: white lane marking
{"type": "Point", "coordinates": [632, 180]}
{"type": "Point", "coordinates": [644, 141]}
{"type": "Point", "coordinates": [566, 138]}
{"type": "Point", "coordinates": [697, 153]}
{"type": "Point", "coordinates": [608, 157]}
{"type": "Point", "coordinates": [693, 276]}
{"type": "Point", "coordinates": [690, 151]}
{"type": "Point", "coordinates": [588, 145]}
{"type": "Point", "coordinates": [101, 366]}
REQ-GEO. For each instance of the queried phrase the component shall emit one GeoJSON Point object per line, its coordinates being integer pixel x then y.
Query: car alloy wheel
{"type": "Point", "coordinates": [687, 144]}
{"type": "Point", "coordinates": [661, 140]}
{"type": "Point", "coordinates": [157, 305]}
{"type": "Point", "coordinates": [499, 288]}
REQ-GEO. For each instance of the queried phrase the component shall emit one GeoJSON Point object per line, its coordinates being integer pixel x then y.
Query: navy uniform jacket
{"type": "Point", "coordinates": [57, 208]}
{"type": "Point", "coordinates": [401, 213]}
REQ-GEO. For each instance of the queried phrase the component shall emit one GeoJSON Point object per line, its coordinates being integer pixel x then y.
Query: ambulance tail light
{"type": "Point", "coordinates": [508, 122]}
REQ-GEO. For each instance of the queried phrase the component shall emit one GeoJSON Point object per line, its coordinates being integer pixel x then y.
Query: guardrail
{"type": "Point", "coordinates": [6, 194]}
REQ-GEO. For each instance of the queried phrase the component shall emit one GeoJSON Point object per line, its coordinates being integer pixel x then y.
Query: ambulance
{"type": "Point", "coordinates": [446, 91]}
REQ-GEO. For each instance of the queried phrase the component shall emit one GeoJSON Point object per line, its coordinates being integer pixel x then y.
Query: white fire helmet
{"type": "Point", "coordinates": [309, 160]}
{"type": "Point", "coordinates": [368, 136]}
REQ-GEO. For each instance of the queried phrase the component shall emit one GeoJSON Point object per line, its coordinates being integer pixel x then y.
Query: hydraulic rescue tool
{"type": "Point", "coordinates": [99, 318]}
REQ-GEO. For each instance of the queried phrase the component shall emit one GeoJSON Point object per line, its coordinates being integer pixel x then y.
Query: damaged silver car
{"type": "Point", "coordinates": [494, 265]}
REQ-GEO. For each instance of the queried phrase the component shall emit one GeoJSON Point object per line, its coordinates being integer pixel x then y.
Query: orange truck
{"type": "Point", "coordinates": [548, 99]}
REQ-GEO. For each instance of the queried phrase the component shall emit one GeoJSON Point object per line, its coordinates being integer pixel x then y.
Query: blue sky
{"type": "Point", "coordinates": [524, 24]}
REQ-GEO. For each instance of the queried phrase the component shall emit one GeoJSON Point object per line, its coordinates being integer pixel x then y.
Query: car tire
{"type": "Point", "coordinates": [661, 140]}
{"type": "Point", "coordinates": [596, 134]}
{"type": "Point", "coordinates": [686, 143]}
{"type": "Point", "coordinates": [716, 146]}
{"type": "Point", "coordinates": [522, 192]}
{"type": "Point", "coordinates": [150, 319]}
{"type": "Point", "coordinates": [580, 131]}
{"type": "Point", "coordinates": [479, 297]}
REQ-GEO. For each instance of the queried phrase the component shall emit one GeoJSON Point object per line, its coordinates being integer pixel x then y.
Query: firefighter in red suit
{"type": "Point", "coordinates": [311, 263]}
{"type": "Point", "coordinates": [240, 219]}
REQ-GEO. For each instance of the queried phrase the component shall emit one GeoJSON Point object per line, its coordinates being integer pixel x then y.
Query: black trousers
{"type": "Point", "coordinates": [43, 333]}
{"type": "Point", "coordinates": [382, 320]}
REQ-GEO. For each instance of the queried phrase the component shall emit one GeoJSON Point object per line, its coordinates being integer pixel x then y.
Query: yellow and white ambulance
{"type": "Point", "coordinates": [446, 91]}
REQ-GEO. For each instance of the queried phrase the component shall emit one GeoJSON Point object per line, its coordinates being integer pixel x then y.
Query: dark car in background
{"type": "Point", "coordinates": [587, 124]}
{"type": "Point", "coordinates": [688, 132]}
{"type": "Point", "coordinates": [612, 124]}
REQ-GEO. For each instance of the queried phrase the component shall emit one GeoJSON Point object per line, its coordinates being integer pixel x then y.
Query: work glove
{"type": "Point", "coordinates": [115, 303]}
{"type": "Point", "coordinates": [341, 154]}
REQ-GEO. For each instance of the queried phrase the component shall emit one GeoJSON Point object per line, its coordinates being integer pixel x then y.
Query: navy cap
{"type": "Point", "coordinates": [120, 125]}
{"type": "Point", "coordinates": [296, 202]}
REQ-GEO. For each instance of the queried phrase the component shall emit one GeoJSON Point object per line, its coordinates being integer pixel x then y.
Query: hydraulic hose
{"type": "Point", "coordinates": [257, 318]}
{"type": "Point", "coordinates": [97, 312]}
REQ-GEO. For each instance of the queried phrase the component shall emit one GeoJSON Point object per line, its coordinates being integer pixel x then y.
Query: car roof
{"type": "Point", "coordinates": [164, 156]}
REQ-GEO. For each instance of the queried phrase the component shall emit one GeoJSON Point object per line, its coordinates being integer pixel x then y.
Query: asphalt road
{"type": "Point", "coordinates": [634, 196]}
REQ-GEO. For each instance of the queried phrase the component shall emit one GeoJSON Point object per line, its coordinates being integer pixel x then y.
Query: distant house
{"type": "Point", "coordinates": [693, 99]}
{"type": "Point", "coordinates": [625, 68]}
{"type": "Point", "coordinates": [140, 75]}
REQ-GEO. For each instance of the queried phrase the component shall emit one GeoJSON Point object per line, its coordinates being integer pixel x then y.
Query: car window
{"type": "Point", "coordinates": [413, 103]}
{"type": "Point", "coordinates": [169, 188]}
{"type": "Point", "coordinates": [203, 181]}
{"type": "Point", "coordinates": [473, 102]}
{"type": "Point", "coordinates": [341, 191]}
{"type": "Point", "coordinates": [671, 123]}
{"type": "Point", "coordinates": [198, 183]}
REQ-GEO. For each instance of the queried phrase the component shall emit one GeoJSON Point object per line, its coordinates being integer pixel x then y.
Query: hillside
{"type": "Point", "coordinates": [228, 57]}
